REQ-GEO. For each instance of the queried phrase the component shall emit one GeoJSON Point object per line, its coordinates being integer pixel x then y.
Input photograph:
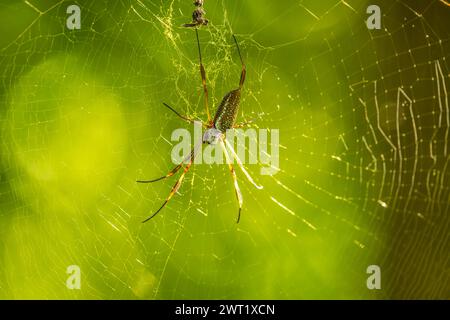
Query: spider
{"type": "Point", "coordinates": [216, 128]}
{"type": "Point", "coordinates": [197, 18]}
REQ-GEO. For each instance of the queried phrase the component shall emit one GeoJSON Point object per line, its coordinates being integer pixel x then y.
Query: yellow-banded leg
{"type": "Point", "coordinates": [177, 185]}
{"type": "Point", "coordinates": [173, 191]}
{"type": "Point", "coordinates": [203, 75]}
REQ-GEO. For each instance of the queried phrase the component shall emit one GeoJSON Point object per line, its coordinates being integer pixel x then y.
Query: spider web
{"type": "Point", "coordinates": [364, 125]}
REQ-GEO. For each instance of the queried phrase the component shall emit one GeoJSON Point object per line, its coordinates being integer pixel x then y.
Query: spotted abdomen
{"type": "Point", "coordinates": [227, 111]}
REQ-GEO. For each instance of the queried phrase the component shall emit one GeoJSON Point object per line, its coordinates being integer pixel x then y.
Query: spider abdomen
{"type": "Point", "coordinates": [227, 111]}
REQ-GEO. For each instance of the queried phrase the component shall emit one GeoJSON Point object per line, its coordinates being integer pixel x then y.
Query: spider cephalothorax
{"type": "Point", "coordinates": [212, 136]}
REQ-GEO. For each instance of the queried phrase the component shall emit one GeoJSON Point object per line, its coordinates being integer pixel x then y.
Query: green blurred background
{"type": "Point", "coordinates": [364, 124]}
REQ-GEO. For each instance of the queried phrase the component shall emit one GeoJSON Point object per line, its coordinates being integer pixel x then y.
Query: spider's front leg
{"type": "Point", "coordinates": [203, 76]}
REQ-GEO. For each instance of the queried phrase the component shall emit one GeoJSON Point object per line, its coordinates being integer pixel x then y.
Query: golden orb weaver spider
{"type": "Point", "coordinates": [223, 120]}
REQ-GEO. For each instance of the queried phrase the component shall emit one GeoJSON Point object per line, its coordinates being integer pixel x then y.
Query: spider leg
{"type": "Point", "coordinates": [235, 182]}
{"type": "Point", "coordinates": [177, 184]}
{"type": "Point", "coordinates": [203, 75]}
{"type": "Point", "coordinates": [173, 191]}
{"type": "Point", "coordinates": [171, 173]}
{"type": "Point", "coordinates": [244, 70]}
{"type": "Point", "coordinates": [185, 118]}
{"type": "Point", "coordinates": [190, 25]}
{"type": "Point", "coordinates": [190, 156]}
{"type": "Point", "coordinates": [241, 166]}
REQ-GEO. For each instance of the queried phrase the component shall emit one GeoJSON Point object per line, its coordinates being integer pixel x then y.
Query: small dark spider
{"type": "Point", "coordinates": [197, 19]}
{"type": "Point", "coordinates": [216, 128]}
